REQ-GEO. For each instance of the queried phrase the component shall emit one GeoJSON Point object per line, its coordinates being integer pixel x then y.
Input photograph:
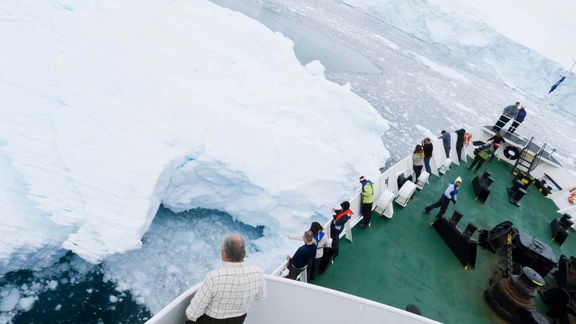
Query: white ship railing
{"type": "Point", "coordinates": [387, 180]}
{"type": "Point", "coordinates": [291, 301]}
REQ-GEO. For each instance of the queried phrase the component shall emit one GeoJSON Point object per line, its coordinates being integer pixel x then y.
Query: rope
{"type": "Point", "coordinates": [509, 247]}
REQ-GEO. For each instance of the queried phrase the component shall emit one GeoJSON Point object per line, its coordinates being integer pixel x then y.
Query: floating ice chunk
{"type": "Point", "coordinates": [10, 298]}
{"type": "Point", "coordinates": [52, 284]}
{"type": "Point", "coordinates": [444, 70]}
{"type": "Point", "coordinates": [113, 299]}
{"type": "Point", "coordinates": [25, 304]}
{"type": "Point", "coordinates": [58, 307]}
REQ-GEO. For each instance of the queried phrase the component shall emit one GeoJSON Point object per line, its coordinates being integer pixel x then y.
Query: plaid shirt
{"type": "Point", "coordinates": [228, 292]}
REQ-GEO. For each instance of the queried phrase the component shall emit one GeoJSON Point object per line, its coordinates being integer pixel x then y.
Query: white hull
{"type": "Point", "coordinates": [291, 301]}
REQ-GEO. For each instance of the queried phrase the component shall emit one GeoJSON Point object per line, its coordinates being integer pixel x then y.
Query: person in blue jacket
{"type": "Point", "coordinates": [518, 119]}
{"type": "Point", "coordinates": [303, 256]}
{"type": "Point", "coordinates": [446, 142]}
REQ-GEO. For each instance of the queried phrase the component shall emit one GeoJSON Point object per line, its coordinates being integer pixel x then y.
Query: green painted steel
{"type": "Point", "coordinates": [402, 260]}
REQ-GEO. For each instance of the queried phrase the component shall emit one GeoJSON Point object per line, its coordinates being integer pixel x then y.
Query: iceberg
{"type": "Point", "coordinates": [113, 109]}
{"type": "Point", "coordinates": [523, 44]}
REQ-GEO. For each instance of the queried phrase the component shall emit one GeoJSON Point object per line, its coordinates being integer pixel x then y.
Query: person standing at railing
{"type": "Point", "coordinates": [460, 134]}
{"type": "Point", "coordinates": [367, 199]}
{"type": "Point", "coordinates": [518, 119]}
{"type": "Point", "coordinates": [226, 294]}
{"type": "Point", "coordinates": [340, 218]}
{"type": "Point", "coordinates": [428, 148]}
{"type": "Point", "coordinates": [417, 161]}
{"type": "Point", "coordinates": [303, 256]}
{"type": "Point", "coordinates": [322, 241]}
{"type": "Point", "coordinates": [508, 113]}
{"type": "Point", "coordinates": [446, 142]}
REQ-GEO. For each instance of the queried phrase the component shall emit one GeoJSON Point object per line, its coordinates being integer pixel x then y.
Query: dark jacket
{"type": "Point", "coordinates": [303, 255]}
{"type": "Point", "coordinates": [497, 140]}
{"type": "Point", "coordinates": [520, 115]}
{"type": "Point", "coordinates": [428, 148]}
{"type": "Point", "coordinates": [460, 137]}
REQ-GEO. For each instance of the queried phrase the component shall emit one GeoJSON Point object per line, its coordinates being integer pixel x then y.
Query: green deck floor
{"type": "Point", "coordinates": [403, 260]}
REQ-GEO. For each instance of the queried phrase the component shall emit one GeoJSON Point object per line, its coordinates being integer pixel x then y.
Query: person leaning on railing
{"type": "Point", "coordinates": [322, 241]}
{"type": "Point", "coordinates": [508, 113]}
{"type": "Point", "coordinates": [303, 256]}
{"type": "Point", "coordinates": [340, 218]}
{"type": "Point", "coordinates": [518, 119]}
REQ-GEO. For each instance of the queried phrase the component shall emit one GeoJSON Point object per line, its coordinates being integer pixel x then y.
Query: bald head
{"type": "Point", "coordinates": [233, 248]}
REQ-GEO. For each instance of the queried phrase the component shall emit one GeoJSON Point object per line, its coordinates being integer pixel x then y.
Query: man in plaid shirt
{"type": "Point", "coordinates": [226, 294]}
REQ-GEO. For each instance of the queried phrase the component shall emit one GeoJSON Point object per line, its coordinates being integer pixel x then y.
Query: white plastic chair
{"type": "Point", "coordinates": [445, 166]}
{"type": "Point", "coordinates": [405, 193]}
{"type": "Point", "coordinates": [422, 179]}
{"type": "Point", "coordinates": [384, 205]}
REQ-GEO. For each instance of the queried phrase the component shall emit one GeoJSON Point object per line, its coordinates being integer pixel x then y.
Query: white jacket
{"type": "Point", "coordinates": [324, 242]}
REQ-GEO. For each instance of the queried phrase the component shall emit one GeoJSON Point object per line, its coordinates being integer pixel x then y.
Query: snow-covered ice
{"type": "Point", "coordinates": [496, 36]}
{"type": "Point", "coordinates": [189, 104]}
{"type": "Point", "coordinates": [446, 71]}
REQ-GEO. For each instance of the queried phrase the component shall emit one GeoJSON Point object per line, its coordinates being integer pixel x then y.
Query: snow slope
{"type": "Point", "coordinates": [111, 109]}
{"type": "Point", "coordinates": [504, 38]}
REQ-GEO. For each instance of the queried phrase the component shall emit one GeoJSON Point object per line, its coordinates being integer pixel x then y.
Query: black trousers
{"type": "Point", "coordinates": [442, 203]}
{"type": "Point", "coordinates": [293, 272]}
{"type": "Point", "coordinates": [205, 319]}
{"type": "Point", "coordinates": [366, 211]}
{"type": "Point", "coordinates": [501, 123]}
{"type": "Point", "coordinates": [325, 261]}
{"type": "Point", "coordinates": [477, 160]}
{"type": "Point", "coordinates": [417, 171]}
{"type": "Point", "coordinates": [459, 147]}
{"type": "Point", "coordinates": [512, 128]}
{"type": "Point", "coordinates": [335, 236]}
{"type": "Point", "coordinates": [312, 269]}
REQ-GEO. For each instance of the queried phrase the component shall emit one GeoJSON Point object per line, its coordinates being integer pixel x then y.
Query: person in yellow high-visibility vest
{"type": "Point", "coordinates": [367, 199]}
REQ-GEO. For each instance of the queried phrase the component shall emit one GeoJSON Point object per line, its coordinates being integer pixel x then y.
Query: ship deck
{"type": "Point", "coordinates": [403, 260]}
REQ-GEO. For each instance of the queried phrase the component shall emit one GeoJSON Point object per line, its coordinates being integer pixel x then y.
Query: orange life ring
{"type": "Point", "coordinates": [572, 196]}
{"type": "Point", "coordinates": [467, 138]}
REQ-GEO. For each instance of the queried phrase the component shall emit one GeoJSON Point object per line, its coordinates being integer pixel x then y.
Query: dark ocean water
{"type": "Point", "coordinates": [78, 298]}
{"type": "Point", "coordinates": [74, 291]}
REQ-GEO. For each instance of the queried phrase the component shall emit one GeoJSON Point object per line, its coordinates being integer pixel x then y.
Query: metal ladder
{"type": "Point", "coordinates": [527, 161]}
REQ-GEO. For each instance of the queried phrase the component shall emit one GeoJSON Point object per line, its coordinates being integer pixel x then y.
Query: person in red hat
{"type": "Point", "coordinates": [367, 200]}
